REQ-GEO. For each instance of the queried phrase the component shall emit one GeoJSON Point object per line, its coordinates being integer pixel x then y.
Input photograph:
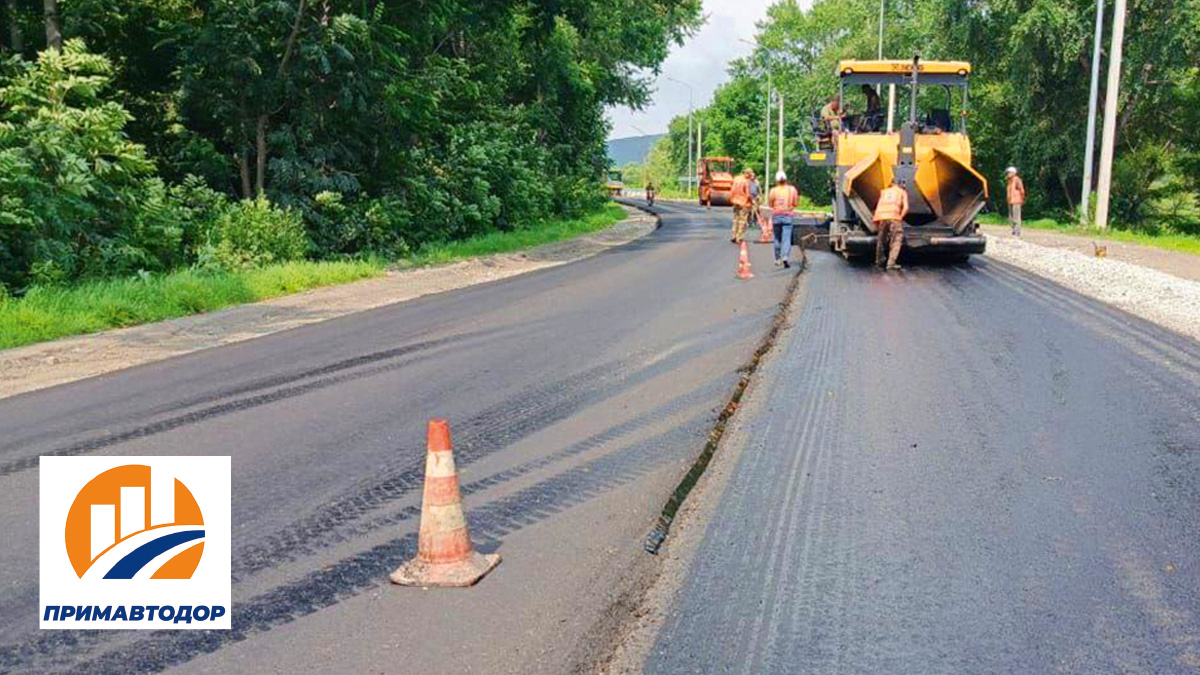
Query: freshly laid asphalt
{"type": "Point", "coordinates": [954, 470]}
{"type": "Point", "coordinates": [577, 397]}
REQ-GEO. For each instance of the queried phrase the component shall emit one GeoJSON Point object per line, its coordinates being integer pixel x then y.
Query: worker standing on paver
{"type": "Point", "coordinates": [783, 199]}
{"type": "Point", "coordinates": [739, 196]}
{"type": "Point", "coordinates": [1016, 198]}
{"type": "Point", "coordinates": [831, 115]}
{"type": "Point", "coordinates": [889, 223]}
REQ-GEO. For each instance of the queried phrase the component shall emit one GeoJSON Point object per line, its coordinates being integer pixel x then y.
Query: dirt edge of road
{"type": "Point", "coordinates": [47, 364]}
{"type": "Point", "coordinates": [622, 639]}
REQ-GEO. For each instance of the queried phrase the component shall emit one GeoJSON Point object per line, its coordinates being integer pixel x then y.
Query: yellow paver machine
{"type": "Point", "coordinates": [930, 152]}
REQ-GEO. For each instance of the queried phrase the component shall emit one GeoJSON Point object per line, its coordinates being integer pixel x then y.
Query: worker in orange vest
{"type": "Point", "coordinates": [1016, 198]}
{"type": "Point", "coordinates": [740, 197]}
{"type": "Point", "coordinates": [889, 223]}
{"type": "Point", "coordinates": [783, 199]}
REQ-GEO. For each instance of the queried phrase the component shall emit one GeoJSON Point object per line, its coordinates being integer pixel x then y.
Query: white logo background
{"type": "Point", "coordinates": [208, 479]}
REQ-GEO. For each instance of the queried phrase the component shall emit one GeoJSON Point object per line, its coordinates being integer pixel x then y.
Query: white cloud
{"type": "Point", "coordinates": [701, 63]}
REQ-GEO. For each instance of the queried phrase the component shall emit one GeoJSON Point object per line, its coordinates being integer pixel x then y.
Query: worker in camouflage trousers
{"type": "Point", "coordinates": [740, 197]}
{"type": "Point", "coordinates": [889, 224]}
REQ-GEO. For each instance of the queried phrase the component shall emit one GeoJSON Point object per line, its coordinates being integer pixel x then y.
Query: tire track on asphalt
{"type": "Point", "coordinates": [477, 437]}
{"type": "Point", "coordinates": [211, 412]}
{"type": "Point", "coordinates": [271, 382]}
{"type": "Point", "coordinates": [353, 575]}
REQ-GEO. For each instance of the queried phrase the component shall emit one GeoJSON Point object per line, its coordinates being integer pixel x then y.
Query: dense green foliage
{"type": "Point", "coordinates": [346, 126]}
{"type": "Point", "coordinates": [1032, 69]}
{"type": "Point", "coordinates": [48, 312]}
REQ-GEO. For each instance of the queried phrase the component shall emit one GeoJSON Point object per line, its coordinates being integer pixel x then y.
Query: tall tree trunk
{"type": "Point", "coordinates": [54, 38]}
{"type": "Point", "coordinates": [244, 172]}
{"type": "Point", "coordinates": [260, 130]}
{"type": "Point", "coordinates": [15, 40]}
{"type": "Point", "coordinates": [260, 157]}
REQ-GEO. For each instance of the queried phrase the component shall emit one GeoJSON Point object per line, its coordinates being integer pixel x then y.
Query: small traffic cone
{"type": "Point", "coordinates": [445, 556]}
{"type": "Point", "coordinates": [743, 271]}
{"type": "Point", "coordinates": [766, 236]}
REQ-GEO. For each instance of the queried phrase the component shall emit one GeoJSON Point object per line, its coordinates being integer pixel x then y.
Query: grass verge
{"type": "Point", "coordinates": [516, 240]}
{"type": "Point", "coordinates": [1169, 240]}
{"type": "Point", "coordinates": [49, 313]}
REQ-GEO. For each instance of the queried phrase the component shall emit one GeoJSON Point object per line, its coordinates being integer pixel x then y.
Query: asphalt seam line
{"type": "Point", "coordinates": [631, 605]}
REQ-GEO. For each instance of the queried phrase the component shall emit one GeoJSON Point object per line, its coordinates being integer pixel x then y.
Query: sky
{"type": "Point", "coordinates": [700, 62]}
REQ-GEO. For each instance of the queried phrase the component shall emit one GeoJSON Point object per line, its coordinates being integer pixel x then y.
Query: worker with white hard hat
{"type": "Point", "coordinates": [1016, 198]}
{"type": "Point", "coordinates": [783, 199]}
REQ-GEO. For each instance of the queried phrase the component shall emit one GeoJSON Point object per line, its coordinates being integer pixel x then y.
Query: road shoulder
{"type": "Point", "coordinates": [1176, 263]}
{"type": "Point", "coordinates": [48, 364]}
{"type": "Point", "coordinates": [1144, 289]}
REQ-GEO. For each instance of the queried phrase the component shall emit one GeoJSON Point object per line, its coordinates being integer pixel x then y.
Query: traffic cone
{"type": "Point", "coordinates": [765, 227]}
{"type": "Point", "coordinates": [743, 271]}
{"type": "Point", "coordinates": [445, 556]}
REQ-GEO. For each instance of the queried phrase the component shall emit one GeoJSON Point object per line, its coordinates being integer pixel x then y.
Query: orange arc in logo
{"type": "Point", "coordinates": [105, 491]}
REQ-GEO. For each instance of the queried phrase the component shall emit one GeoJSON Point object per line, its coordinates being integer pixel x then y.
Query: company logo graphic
{"type": "Point", "coordinates": [135, 542]}
{"type": "Point", "coordinates": [132, 522]}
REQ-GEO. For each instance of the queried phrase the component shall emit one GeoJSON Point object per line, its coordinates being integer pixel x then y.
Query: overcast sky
{"type": "Point", "coordinates": [700, 63]}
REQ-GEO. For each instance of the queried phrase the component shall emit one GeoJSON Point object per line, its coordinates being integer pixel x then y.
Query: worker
{"type": "Point", "coordinates": [831, 115]}
{"type": "Point", "coordinates": [755, 191]}
{"type": "Point", "coordinates": [874, 113]}
{"type": "Point", "coordinates": [783, 199]}
{"type": "Point", "coordinates": [1016, 198]}
{"type": "Point", "coordinates": [650, 193]}
{"type": "Point", "coordinates": [889, 223]}
{"type": "Point", "coordinates": [739, 196]}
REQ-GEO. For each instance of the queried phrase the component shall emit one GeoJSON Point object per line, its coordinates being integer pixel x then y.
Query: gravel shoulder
{"type": "Point", "coordinates": [1143, 286]}
{"type": "Point", "coordinates": [26, 369]}
{"type": "Point", "coordinates": [1176, 263]}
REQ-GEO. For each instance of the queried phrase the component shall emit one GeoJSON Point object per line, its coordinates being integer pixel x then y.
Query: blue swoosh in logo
{"type": "Point", "coordinates": [136, 559]}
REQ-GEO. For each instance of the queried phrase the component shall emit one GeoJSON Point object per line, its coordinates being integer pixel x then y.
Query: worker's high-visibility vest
{"type": "Point", "coordinates": [739, 194]}
{"type": "Point", "coordinates": [783, 199]}
{"type": "Point", "coordinates": [893, 202]}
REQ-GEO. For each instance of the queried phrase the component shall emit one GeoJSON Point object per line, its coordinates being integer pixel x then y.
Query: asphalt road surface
{"type": "Point", "coordinates": [954, 470]}
{"type": "Point", "coordinates": [577, 397]}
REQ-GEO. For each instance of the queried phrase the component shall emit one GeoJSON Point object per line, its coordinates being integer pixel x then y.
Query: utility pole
{"type": "Point", "coordinates": [881, 6]}
{"type": "Point", "coordinates": [1110, 115]}
{"type": "Point", "coordinates": [891, 87]}
{"type": "Point", "coordinates": [767, 143]}
{"type": "Point", "coordinates": [780, 153]}
{"type": "Point", "coordinates": [1089, 152]}
{"type": "Point", "coordinates": [767, 114]}
{"type": "Point", "coordinates": [691, 113]}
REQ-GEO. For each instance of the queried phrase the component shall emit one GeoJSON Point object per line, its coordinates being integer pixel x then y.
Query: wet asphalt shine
{"type": "Point", "coordinates": [957, 469]}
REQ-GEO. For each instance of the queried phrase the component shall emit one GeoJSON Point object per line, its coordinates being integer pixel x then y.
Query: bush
{"type": "Point", "coordinates": [79, 198]}
{"type": "Point", "coordinates": [253, 233]}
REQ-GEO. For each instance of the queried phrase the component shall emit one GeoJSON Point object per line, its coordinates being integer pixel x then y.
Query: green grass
{"type": "Point", "coordinates": [48, 313]}
{"type": "Point", "coordinates": [515, 240]}
{"type": "Point", "coordinates": [1168, 240]}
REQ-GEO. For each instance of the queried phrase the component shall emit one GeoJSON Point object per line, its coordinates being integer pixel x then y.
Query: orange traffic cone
{"type": "Point", "coordinates": [744, 263]}
{"type": "Point", "coordinates": [445, 556]}
{"type": "Point", "coordinates": [766, 236]}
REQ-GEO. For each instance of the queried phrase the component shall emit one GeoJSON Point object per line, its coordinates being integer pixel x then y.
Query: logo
{"type": "Point", "coordinates": [133, 522]}
{"type": "Point", "coordinates": [135, 542]}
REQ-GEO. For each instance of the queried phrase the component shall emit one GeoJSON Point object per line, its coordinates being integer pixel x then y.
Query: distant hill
{"type": "Point", "coordinates": [622, 151]}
